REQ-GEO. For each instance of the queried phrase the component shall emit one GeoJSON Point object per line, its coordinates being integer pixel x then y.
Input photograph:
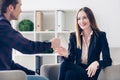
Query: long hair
{"type": "Point", "coordinates": [93, 24]}
{"type": "Point", "coordinates": [5, 3]}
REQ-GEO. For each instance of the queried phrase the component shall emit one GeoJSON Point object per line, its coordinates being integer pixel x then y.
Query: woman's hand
{"type": "Point", "coordinates": [62, 51]}
{"type": "Point", "coordinates": [55, 43]}
{"type": "Point", "coordinates": [92, 68]}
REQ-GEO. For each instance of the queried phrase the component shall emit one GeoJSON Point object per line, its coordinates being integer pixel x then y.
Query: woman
{"type": "Point", "coordinates": [82, 60]}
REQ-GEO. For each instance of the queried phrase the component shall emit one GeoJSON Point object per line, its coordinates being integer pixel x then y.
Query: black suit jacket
{"type": "Point", "coordinates": [98, 44]}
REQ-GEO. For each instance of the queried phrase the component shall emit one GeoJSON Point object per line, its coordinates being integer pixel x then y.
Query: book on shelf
{"type": "Point", "coordinates": [60, 20]}
{"type": "Point", "coordinates": [60, 59]}
{"type": "Point", "coordinates": [38, 64]}
{"type": "Point", "coordinates": [39, 19]}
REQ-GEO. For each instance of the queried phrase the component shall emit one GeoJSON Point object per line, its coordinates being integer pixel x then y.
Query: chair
{"type": "Point", "coordinates": [18, 75]}
{"type": "Point", "coordinates": [12, 75]}
{"type": "Point", "coordinates": [51, 71]}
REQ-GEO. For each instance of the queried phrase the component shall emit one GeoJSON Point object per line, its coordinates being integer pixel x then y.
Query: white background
{"type": "Point", "coordinates": [107, 13]}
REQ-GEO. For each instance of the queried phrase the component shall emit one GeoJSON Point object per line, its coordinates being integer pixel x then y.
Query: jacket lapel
{"type": "Point", "coordinates": [91, 46]}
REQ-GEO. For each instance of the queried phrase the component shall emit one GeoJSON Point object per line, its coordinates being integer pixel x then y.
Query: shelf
{"type": "Point", "coordinates": [40, 54]}
{"type": "Point", "coordinates": [48, 24]}
{"type": "Point", "coordinates": [45, 32]}
{"type": "Point", "coordinates": [27, 32]}
{"type": "Point", "coordinates": [64, 32]}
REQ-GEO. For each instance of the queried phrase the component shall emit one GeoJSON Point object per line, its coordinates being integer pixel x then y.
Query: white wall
{"type": "Point", "coordinates": [106, 13]}
{"type": "Point", "coordinates": [115, 55]}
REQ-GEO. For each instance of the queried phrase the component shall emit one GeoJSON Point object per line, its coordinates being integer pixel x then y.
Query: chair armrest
{"type": "Point", "coordinates": [50, 71]}
{"type": "Point", "coordinates": [12, 75]}
{"type": "Point", "coordinates": [112, 72]}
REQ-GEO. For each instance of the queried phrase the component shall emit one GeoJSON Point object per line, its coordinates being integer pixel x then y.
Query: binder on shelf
{"type": "Point", "coordinates": [59, 59]}
{"type": "Point", "coordinates": [60, 20]}
{"type": "Point", "coordinates": [38, 64]}
{"type": "Point", "coordinates": [39, 17]}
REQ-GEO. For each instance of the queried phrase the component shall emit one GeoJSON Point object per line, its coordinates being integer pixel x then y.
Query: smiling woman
{"type": "Point", "coordinates": [82, 59]}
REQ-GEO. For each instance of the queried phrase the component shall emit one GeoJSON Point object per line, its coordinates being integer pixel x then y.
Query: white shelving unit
{"type": "Point", "coordinates": [49, 21]}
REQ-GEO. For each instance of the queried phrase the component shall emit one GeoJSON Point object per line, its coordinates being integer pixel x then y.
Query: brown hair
{"type": "Point", "coordinates": [5, 3]}
{"type": "Point", "coordinates": [93, 24]}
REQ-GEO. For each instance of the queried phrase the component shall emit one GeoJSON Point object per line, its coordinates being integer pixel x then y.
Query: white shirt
{"type": "Point", "coordinates": [85, 46]}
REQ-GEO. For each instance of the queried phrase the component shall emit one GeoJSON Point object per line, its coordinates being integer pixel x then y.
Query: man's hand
{"type": "Point", "coordinates": [36, 74]}
{"type": "Point", "coordinates": [55, 43]}
{"type": "Point", "coordinates": [92, 68]}
{"type": "Point", "coordinates": [62, 51]}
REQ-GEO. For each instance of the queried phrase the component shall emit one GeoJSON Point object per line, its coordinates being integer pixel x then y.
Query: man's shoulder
{"type": "Point", "coordinates": [3, 21]}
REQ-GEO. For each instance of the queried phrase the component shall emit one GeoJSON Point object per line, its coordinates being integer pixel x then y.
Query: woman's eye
{"type": "Point", "coordinates": [78, 18]}
{"type": "Point", "coordinates": [84, 17]}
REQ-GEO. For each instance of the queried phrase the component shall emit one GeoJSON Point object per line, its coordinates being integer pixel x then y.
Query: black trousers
{"type": "Point", "coordinates": [70, 71]}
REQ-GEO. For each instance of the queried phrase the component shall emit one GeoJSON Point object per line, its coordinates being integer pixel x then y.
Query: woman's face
{"type": "Point", "coordinates": [83, 20]}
